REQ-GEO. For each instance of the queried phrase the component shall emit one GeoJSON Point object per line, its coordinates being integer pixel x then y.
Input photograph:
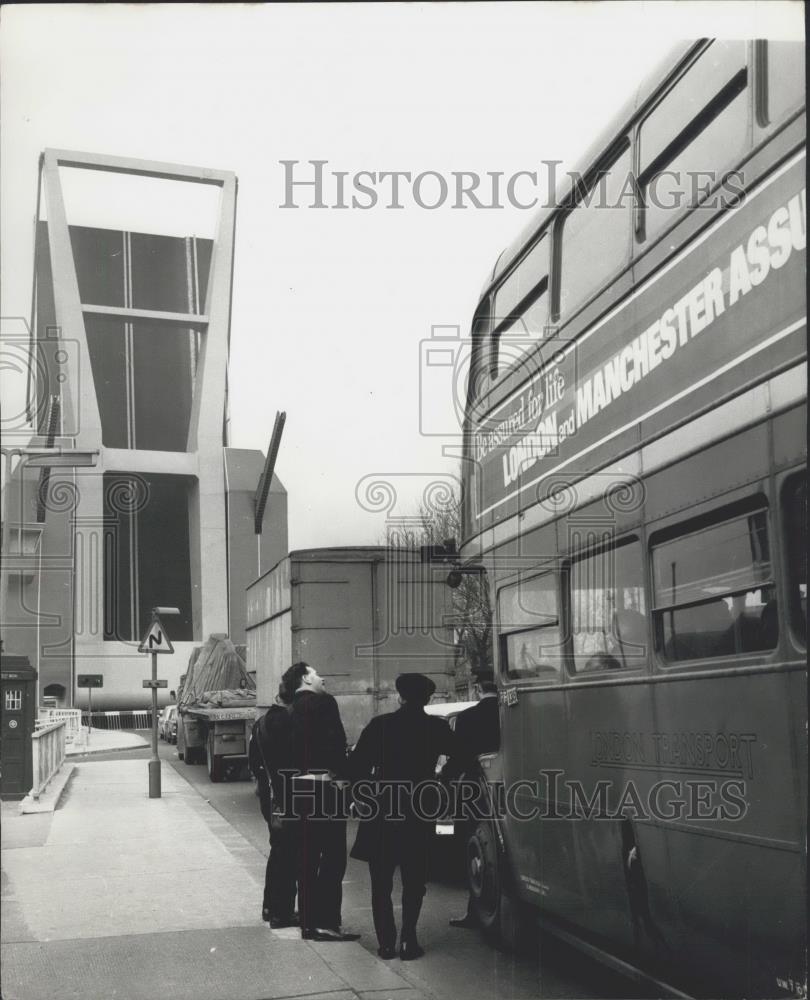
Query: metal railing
{"type": "Point", "coordinates": [48, 745]}
{"type": "Point", "coordinates": [134, 718]}
{"type": "Point", "coordinates": [72, 717]}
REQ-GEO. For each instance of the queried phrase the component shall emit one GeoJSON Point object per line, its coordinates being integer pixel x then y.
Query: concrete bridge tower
{"type": "Point", "coordinates": [129, 355]}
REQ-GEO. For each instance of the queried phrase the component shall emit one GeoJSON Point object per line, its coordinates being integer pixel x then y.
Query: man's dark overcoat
{"type": "Point", "coordinates": [399, 747]}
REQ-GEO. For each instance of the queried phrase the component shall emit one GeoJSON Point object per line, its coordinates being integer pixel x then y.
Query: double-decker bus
{"type": "Point", "coordinates": [636, 490]}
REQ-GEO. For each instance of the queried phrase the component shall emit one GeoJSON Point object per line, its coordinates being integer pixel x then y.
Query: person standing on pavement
{"type": "Point", "coordinates": [269, 755]}
{"type": "Point", "coordinates": [478, 731]}
{"type": "Point", "coordinates": [318, 803]}
{"type": "Point", "coordinates": [397, 752]}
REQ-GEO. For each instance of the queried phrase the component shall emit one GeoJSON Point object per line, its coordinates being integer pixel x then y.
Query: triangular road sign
{"type": "Point", "coordinates": [156, 640]}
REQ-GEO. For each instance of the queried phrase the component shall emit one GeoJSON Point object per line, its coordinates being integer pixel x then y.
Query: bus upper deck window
{"type": "Point", "coordinates": [596, 234]}
{"type": "Point", "coordinates": [529, 629]}
{"type": "Point", "coordinates": [784, 76]}
{"type": "Point", "coordinates": [520, 317]}
{"type": "Point", "coordinates": [693, 136]}
{"type": "Point", "coordinates": [479, 377]}
{"type": "Point", "coordinates": [608, 618]}
{"type": "Point", "coordinates": [795, 499]}
{"type": "Point", "coordinates": [714, 591]}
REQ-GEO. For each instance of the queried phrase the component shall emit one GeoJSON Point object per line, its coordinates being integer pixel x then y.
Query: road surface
{"type": "Point", "coordinates": [458, 962]}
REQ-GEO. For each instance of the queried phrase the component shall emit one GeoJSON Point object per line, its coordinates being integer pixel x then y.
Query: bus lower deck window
{"type": "Point", "coordinates": [609, 624]}
{"type": "Point", "coordinates": [529, 628]}
{"type": "Point", "coordinates": [714, 591]}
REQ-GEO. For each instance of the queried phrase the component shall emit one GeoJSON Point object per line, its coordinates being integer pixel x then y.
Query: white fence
{"type": "Point", "coordinates": [72, 717]}
{"type": "Point", "coordinates": [48, 754]}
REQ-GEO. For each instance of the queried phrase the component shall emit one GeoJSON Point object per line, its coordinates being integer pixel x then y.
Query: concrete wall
{"type": "Point", "coordinates": [250, 555]}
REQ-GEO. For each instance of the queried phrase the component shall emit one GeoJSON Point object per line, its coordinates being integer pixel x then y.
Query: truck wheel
{"type": "Point", "coordinates": [503, 916]}
{"type": "Point", "coordinates": [215, 768]}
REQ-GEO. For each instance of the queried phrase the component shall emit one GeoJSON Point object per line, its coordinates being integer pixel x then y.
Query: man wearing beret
{"type": "Point", "coordinates": [399, 751]}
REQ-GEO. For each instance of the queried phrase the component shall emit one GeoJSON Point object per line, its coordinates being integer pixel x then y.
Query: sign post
{"type": "Point", "coordinates": [156, 641]}
{"type": "Point", "coordinates": [90, 681]}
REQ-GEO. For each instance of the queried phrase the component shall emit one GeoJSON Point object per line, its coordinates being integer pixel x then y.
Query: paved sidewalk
{"type": "Point", "coordinates": [105, 740]}
{"type": "Point", "coordinates": [116, 895]}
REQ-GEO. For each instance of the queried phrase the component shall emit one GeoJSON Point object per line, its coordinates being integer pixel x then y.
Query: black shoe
{"type": "Point", "coordinates": [389, 951]}
{"type": "Point", "coordinates": [409, 950]}
{"type": "Point", "coordinates": [468, 922]}
{"type": "Point", "coordinates": [328, 934]}
{"type": "Point", "coordinates": [276, 923]}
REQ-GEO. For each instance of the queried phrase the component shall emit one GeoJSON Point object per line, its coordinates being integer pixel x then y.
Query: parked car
{"type": "Point", "coordinates": [447, 853]}
{"type": "Point", "coordinates": [167, 724]}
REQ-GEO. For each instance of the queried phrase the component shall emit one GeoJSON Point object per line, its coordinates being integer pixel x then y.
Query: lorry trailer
{"type": "Point", "coordinates": [360, 616]}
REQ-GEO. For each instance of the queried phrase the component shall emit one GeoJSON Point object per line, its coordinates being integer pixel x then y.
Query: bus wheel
{"type": "Point", "coordinates": [504, 917]}
{"type": "Point", "coordinates": [483, 875]}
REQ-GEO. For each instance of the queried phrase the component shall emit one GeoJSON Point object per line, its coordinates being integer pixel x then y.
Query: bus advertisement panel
{"type": "Point", "coordinates": [725, 312]}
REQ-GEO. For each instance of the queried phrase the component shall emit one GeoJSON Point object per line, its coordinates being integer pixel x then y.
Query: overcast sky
{"type": "Point", "coordinates": [330, 305]}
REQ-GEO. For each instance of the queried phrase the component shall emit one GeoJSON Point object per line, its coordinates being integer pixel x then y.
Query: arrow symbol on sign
{"type": "Point", "coordinates": [156, 640]}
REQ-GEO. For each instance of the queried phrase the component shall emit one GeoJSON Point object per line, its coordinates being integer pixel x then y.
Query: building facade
{"type": "Point", "coordinates": [130, 336]}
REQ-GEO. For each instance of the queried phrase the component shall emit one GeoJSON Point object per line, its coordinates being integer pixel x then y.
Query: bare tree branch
{"type": "Point", "coordinates": [472, 609]}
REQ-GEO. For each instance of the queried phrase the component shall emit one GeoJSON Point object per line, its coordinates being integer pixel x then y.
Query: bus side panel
{"type": "Point", "coordinates": [736, 848]}
{"type": "Point", "coordinates": [609, 753]}
{"type": "Point", "coordinates": [790, 435]}
{"type": "Point", "coordinates": [731, 464]}
{"type": "Point", "coordinates": [542, 850]}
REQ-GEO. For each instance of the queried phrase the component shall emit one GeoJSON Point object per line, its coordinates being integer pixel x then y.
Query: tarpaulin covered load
{"type": "Point", "coordinates": [231, 696]}
{"type": "Point", "coordinates": [216, 676]}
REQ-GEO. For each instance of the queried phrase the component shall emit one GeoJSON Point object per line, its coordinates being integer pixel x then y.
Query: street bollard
{"type": "Point", "coordinates": [154, 779]}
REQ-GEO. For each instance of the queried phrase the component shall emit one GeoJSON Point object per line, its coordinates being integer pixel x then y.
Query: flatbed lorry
{"type": "Point", "coordinates": [216, 709]}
